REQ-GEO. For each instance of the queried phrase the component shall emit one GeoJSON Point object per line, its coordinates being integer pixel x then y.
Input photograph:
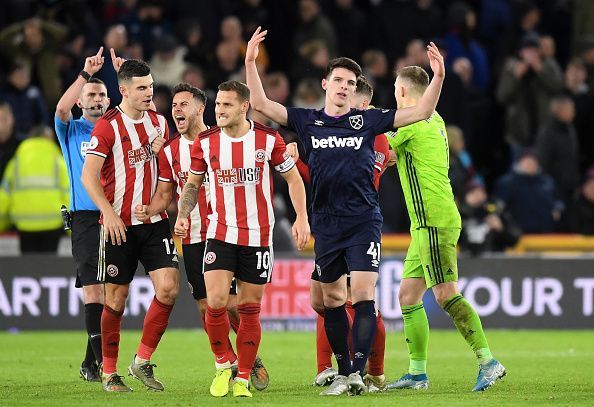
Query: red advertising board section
{"type": "Point", "coordinates": [288, 295]}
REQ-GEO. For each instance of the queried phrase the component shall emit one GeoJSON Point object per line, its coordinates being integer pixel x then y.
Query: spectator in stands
{"type": "Point", "coordinates": [461, 43]}
{"type": "Point", "coordinates": [28, 106]}
{"type": "Point", "coordinates": [308, 95]}
{"type": "Point", "coordinates": [37, 43]}
{"type": "Point", "coordinates": [167, 64]}
{"type": "Point", "coordinates": [529, 195]}
{"type": "Point", "coordinates": [462, 172]}
{"type": "Point", "coordinates": [232, 32]}
{"type": "Point", "coordinates": [577, 86]}
{"type": "Point", "coordinates": [375, 69]}
{"type": "Point", "coordinates": [198, 52]}
{"type": "Point", "coordinates": [580, 215]}
{"type": "Point", "coordinates": [350, 24]}
{"type": "Point", "coordinates": [34, 187]}
{"type": "Point", "coordinates": [8, 138]}
{"type": "Point", "coordinates": [486, 225]}
{"type": "Point", "coordinates": [227, 64]}
{"type": "Point", "coordinates": [277, 87]}
{"type": "Point", "coordinates": [314, 25]}
{"type": "Point", "coordinates": [147, 24]}
{"type": "Point", "coordinates": [587, 56]}
{"type": "Point", "coordinates": [162, 99]}
{"type": "Point", "coordinates": [116, 37]}
{"type": "Point", "coordinates": [557, 147]}
{"type": "Point", "coordinates": [312, 62]}
{"type": "Point", "coordinates": [525, 87]}
{"type": "Point", "coordinates": [253, 14]}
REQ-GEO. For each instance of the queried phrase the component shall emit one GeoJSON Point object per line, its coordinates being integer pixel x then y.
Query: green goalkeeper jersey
{"type": "Point", "coordinates": [423, 161]}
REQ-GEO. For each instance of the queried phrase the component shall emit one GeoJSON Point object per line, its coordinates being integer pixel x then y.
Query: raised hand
{"type": "Point", "coordinates": [251, 52]}
{"type": "Point", "coordinates": [115, 60]}
{"type": "Point", "coordinates": [436, 60]}
{"type": "Point", "coordinates": [93, 64]}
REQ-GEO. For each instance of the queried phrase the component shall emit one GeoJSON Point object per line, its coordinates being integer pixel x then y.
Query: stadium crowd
{"type": "Point", "coordinates": [517, 97]}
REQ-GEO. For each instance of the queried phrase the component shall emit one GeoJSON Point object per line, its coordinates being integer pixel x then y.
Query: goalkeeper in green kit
{"type": "Point", "coordinates": [423, 162]}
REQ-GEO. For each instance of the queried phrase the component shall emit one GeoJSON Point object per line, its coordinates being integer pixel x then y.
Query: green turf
{"type": "Point", "coordinates": [545, 368]}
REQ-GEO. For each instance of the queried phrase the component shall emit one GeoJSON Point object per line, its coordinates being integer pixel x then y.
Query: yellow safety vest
{"type": "Point", "coordinates": [35, 186]}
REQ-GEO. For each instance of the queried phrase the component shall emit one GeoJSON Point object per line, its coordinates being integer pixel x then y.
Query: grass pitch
{"type": "Point", "coordinates": [544, 368]}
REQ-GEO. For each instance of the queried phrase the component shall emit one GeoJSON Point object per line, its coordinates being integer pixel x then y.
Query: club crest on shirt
{"type": "Point", "coordinates": [260, 155]}
{"type": "Point", "coordinates": [137, 157]}
{"type": "Point", "coordinates": [356, 121]}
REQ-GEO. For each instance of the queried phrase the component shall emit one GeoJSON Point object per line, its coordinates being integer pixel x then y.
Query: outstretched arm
{"type": "Point", "coordinates": [269, 108]}
{"type": "Point", "coordinates": [92, 66]}
{"type": "Point", "coordinates": [428, 102]}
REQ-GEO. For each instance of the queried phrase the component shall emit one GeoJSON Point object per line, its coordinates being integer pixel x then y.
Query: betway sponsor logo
{"type": "Point", "coordinates": [337, 142]}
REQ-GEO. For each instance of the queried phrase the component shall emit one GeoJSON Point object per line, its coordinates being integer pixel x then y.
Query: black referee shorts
{"type": "Point", "coordinates": [85, 246]}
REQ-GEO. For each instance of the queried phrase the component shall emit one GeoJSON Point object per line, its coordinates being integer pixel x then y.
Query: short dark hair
{"type": "Point", "coordinates": [238, 87]}
{"type": "Point", "coordinates": [131, 68]}
{"type": "Point", "coordinates": [346, 63]}
{"type": "Point", "coordinates": [416, 76]}
{"type": "Point", "coordinates": [92, 79]}
{"type": "Point", "coordinates": [197, 94]}
{"type": "Point", "coordinates": [364, 87]}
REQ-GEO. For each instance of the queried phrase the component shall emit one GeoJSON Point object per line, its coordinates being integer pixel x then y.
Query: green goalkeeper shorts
{"type": "Point", "coordinates": [432, 255]}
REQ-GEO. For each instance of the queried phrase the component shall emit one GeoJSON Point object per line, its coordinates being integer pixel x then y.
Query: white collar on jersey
{"type": "Point", "coordinates": [240, 138]}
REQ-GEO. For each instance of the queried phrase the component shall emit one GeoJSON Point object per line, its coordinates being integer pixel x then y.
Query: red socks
{"type": "Point", "coordinates": [110, 338]}
{"type": "Point", "coordinates": [248, 338]}
{"type": "Point", "coordinates": [234, 321]}
{"type": "Point", "coordinates": [378, 348]}
{"type": "Point", "coordinates": [323, 349]}
{"type": "Point", "coordinates": [155, 323]}
{"type": "Point", "coordinates": [217, 327]}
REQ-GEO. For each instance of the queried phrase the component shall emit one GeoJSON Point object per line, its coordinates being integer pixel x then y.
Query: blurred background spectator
{"type": "Point", "coordinates": [530, 195]}
{"type": "Point", "coordinates": [486, 225]}
{"type": "Point", "coordinates": [581, 210]}
{"type": "Point", "coordinates": [34, 187]}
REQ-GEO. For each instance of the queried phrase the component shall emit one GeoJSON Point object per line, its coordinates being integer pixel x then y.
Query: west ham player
{"type": "Point", "coordinates": [122, 153]}
{"type": "Point", "coordinates": [346, 219]}
{"type": "Point", "coordinates": [423, 161]}
{"type": "Point", "coordinates": [187, 109]}
{"type": "Point", "coordinates": [239, 156]}
{"type": "Point", "coordinates": [90, 95]}
{"type": "Point", "coordinates": [375, 378]}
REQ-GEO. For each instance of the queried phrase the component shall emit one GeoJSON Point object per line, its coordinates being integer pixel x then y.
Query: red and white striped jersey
{"type": "Point", "coordinates": [129, 173]}
{"type": "Point", "coordinates": [174, 164]}
{"type": "Point", "coordinates": [239, 171]}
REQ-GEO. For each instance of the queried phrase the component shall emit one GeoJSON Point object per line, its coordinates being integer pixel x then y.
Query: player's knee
{"type": "Point", "coordinates": [317, 305]}
{"type": "Point", "coordinates": [334, 299]}
{"type": "Point", "coordinates": [407, 297]}
{"type": "Point", "coordinates": [216, 300]}
{"type": "Point", "coordinates": [168, 292]}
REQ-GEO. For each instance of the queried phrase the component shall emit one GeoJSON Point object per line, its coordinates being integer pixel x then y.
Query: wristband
{"type": "Point", "coordinates": [85, 75]}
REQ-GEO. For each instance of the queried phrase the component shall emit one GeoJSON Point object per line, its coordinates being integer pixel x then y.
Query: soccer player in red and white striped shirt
{"type": "Point", "coordinates": [239, 156]}
{"type": "Point", "coordinates": [187, 110]}
{"type": "Point", "coordinates": [122, 151]}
